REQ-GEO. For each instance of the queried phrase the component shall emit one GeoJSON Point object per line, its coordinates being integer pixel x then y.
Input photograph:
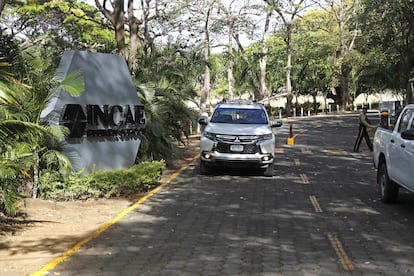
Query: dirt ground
{"type": "Point", "coordinates": [46, 229]}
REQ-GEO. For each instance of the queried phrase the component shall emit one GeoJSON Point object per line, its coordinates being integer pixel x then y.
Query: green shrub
{"type": "Point", "coordinates": [52, 184]}
{"type": "Point", "coordinates": [102, 184]}
{"type": "Point", "coordinates": [9, 196]}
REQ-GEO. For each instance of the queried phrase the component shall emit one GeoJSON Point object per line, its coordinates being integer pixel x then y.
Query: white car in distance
{"type": "Point", "coordinates": [239, 133]}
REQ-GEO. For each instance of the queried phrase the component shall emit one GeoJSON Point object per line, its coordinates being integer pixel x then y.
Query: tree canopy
{"type": "Point", "coordinates": [140, 30]}
{"type": "Point", "coordinates": [185, 54]}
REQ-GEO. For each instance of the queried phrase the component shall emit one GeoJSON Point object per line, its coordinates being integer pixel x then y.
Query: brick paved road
{"type": "Point", "coordinates": [318, 215]}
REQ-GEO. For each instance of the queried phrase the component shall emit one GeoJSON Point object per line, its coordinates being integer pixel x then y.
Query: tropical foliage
{"type": "Point", "coordinates": [26, 145]}
{"type": "Point", "coordinates": [137, 179]}
{"type": "Point", "coordinates": [184, 53]}
{"type": "Point", "coordinates": [165, 84]}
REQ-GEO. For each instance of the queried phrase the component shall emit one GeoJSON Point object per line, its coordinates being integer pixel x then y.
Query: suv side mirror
{"type": "Point", "coordinates": [408, 134]}
{"type": "Point", "coordinates": [203, 120]}
{"type": "Point", "coordinates": [276, 123]}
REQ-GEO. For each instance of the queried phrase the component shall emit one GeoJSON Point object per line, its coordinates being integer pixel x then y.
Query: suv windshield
{"type": "Point", "coordinates": [239, 116]}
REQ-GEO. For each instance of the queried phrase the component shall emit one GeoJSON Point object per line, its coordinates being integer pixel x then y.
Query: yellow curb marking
{"type": "Point", "coordinates": [336, 152]}
{"type": "Point", "coordinates": [306, 151]}
{"type": "Point", "coordinates": [337, 245]}
{"type": "Point", "coordinates": [315, 204]}
{"type": "Point", "coordinates": [297, 162]}
{"type": "Point", "coordinates": [304, 178]}
{"type": "Point", "coordinates": [108, 224]}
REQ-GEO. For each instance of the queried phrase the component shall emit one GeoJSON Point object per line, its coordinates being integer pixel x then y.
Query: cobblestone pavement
{"type": "Point", "coordinates": [318, 215]}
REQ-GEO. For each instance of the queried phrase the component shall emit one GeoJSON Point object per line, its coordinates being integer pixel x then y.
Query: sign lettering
{"type": "Point", "coordinates": [101, 121]}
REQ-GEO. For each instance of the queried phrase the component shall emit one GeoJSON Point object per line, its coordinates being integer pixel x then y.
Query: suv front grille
{"type": "Point", "coordinates": [247, 141]}
{"type": "Point", "coordinates": [247, 148]}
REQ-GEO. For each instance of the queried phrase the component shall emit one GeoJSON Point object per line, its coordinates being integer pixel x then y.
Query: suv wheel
{"type": "Point", "coordinates": [269, 170]}
{"type": "Point", "coordinates": [204, 169]}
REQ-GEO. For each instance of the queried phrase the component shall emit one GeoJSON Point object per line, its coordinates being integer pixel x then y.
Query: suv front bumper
{"type": "Point", "coordinates": [260, 153]}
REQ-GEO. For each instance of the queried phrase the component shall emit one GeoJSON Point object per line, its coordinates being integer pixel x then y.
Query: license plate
{"type": "Point", "coordinates": [237, 148]}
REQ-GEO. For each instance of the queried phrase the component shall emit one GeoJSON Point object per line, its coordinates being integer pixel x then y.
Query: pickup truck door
{"type": "Point", "coordinates": [402, 152]}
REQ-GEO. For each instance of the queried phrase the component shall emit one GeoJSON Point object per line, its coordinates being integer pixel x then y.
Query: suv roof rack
{"type": "Point", "coordinates": [238, 101]}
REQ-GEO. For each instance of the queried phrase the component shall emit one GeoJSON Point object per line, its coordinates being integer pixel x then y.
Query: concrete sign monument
{"type": "Point", "coordinates": [106, 121]}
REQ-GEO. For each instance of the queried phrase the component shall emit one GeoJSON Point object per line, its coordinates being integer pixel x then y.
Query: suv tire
{"type": "Point", "coordinates": [269, 170]}
{"type": "Point", "coordinates": [204, 169]}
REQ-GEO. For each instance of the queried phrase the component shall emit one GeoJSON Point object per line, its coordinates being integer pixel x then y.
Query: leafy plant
{"type": "Point", "coordinates": [101, 184]}
{"type": "Point", "coordinates": [165, 96]}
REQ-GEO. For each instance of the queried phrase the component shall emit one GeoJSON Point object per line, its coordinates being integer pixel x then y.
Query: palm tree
{"type": "Point", "coordinates": [27, 145]}
{"type": "Point", "coordinates": [168, 120]}
{"type": "Point", "coordinates": [165, 95]}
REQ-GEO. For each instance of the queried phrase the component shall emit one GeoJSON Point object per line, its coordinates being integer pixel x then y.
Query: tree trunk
{"type": "Point", "coordinates": [288, 87]}
{"type": "Point", "coordinates": [263, 58]}
{"type": "Point", "coordinates": [315, 102]}
{"type": "Point", "coordinates": [206, 85]}
{"type": "Point", "coordinates": [119, 16]}
{"type": "Point", "coordinates": [250, 78]}
{"type": "Point", "coordinates": [230, 77]}
{"type": "Point", "coordinates": [35, 172]}
{"type": "Point", "coordinates": [345, 68]}
{"type": "Point", "coordinates": [409, 15]}
{"type": "Point", "coordinates": [133, 36]}
{"type": "Point", "coordinates": [117, 19]}
{"type": "Point", "coordinates": [2, 4]}
{"type": "Point", "coordinates": [410, 90]}
{"type": "Point", "coordinates": [344, 82]}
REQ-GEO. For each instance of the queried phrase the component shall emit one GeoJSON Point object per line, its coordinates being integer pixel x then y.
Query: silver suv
{"type": "Point", "coordinates": [238, 133]}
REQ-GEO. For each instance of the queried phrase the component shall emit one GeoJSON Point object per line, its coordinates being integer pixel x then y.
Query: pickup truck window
{"type": "Point", "coordinates": [406, 120]}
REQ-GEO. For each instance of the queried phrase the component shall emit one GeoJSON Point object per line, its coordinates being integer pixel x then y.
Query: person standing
{"type": "Point", "coordinates": [364, 123]}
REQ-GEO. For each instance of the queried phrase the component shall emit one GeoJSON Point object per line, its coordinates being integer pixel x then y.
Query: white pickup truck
{"type": "Point", "coordinates": [394, 156]}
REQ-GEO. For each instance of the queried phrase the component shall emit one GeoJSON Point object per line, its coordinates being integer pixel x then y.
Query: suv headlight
{"type": "Point", "coordinates": [266, 137]}
{"type": "Point", "coordinates": [209, 135]}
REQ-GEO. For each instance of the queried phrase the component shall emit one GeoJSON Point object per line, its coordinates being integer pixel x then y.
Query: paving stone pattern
{"type": "Point", "coordinates": [318, 215]}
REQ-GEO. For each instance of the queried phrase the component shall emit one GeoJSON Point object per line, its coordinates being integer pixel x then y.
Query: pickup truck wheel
{"type": "Point", "coordinates": [388, 189]}
{"type": "Point", "coordinates": [204, 169]}
{"type": "Point", "coordinates": [269, 170]}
